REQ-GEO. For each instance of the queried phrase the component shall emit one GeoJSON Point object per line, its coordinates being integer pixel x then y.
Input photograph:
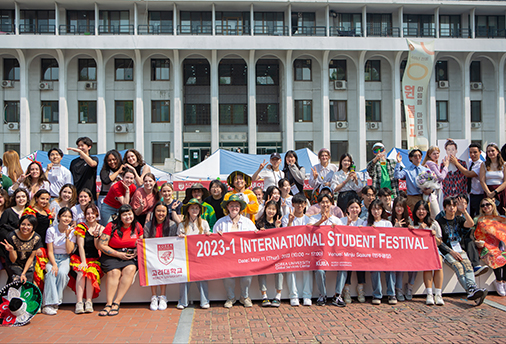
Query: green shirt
{"type": "Point", "coordinates": [6, 182]}
{"type": "Point", "coordinates": [385, 177]}
{"type": "Point", "coordinates": [209, 215]}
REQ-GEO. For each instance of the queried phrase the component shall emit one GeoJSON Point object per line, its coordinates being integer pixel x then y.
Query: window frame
{"type": "Point", "coordinates": [50, 65]}
{"type": "Point", "coordinates": [54, 105]}
{"type": "Point", "coordinates": [337, 101]}
{"type": "Point", "coordinates": [299, 110]}
{"type": "Point", "coordinates": [200, 119]}
{"type": "Point", "coordinates": [163, 103]}
{"type": "Point", "coordinates": [153, 146]}
{"type": "Point", "coordinates": [480, 112]}
{"type": "Point", "coordinates": [439, 103]}
{"type": "Point", "coordinates": [7, 104]}
{"type": "Point", "coordinates": [442, 65]}
{"type": "Point", "coordinates": [118, 102]}
{"type": "Point", "coordinates": [85, 64]}
{"type": "Point", "coordinates": [337, 70]}
{"type": "Point", "coordinates": [16, 70]}
{"type": "Point", "coordinates": [369, 65]}
{"type": "Point", "coordinates": [302, 64]}
{"type": "Point", "coordinates": [117, 66]}
{"type": "Point", "coordinates": [81, 103]}
{"type": "Point", "coordinates": [156, 65]}
{"type": "Point", "coordinates": [233, 114]}
{"type": "Point", "coordinates": [473, 72]}
{"type": "Point", "coordinates": [370, 103]}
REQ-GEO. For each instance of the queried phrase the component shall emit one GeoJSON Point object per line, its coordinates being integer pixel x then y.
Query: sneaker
{"type": "Point", "coordinates": [347, 295]}
{"type": "Point", "coordinates": [294, 302]}
{"type": "Point", "coordinates": [154, 303]}
{"type": "Point", "coordinates": [361, 293]}
{"type": "Point", "coordinates": [49, 310]}
{"type": "Point", "coordinates": [399, 295]}
{"type": "Point", "coordinates": [430, 300]}
{"type": "Point", "coordinates": [480, 270]}
{"type": "Point", "coordinates": [392, 300]}
{"type": "Point", "coordinates": [500, 288]}
{"type": "Point", "coordinates": [338, 301]}
{"type": "Point", "coordinates": [439, 300]}
{"type": "Point", "coordinates": [482, 297]}
{"type": "Point", "coordinates": [79, 308]}
{"type": "Point", "coordinates": [246, 302]}
{"type": "Point", "coordinates": [409, 292]}
{"type": "Point", "coordinates": [307, 302]}
{"type": "Point", "coordinates": [206, 306]}
{"type": "Point", "coordinates": [88, 307]}
{"type": "Point", "coordinates": [276, 302]}
{"type": "Point", "coordinates": [162, 303]}
{"type": "Point", "coordinates": [322, 300]}
{"type": "Point", "coordinates": [179, 306]}
{"type": "Point", "coordinates": [229, 303]}
{"type": "Point", "coordinates": [474, 294]}
{"type": "Point", "coordinates": [376, 301]}
{"type": "Point", "coordinates": [266, 303]}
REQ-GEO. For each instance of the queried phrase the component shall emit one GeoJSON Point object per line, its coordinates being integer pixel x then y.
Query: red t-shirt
{"type": "Point", "coordinates": [127, 241]}
{"type": "Point", "coordinates": [117, 190]}
{"type": "Point", "coordinates": [159, 230]}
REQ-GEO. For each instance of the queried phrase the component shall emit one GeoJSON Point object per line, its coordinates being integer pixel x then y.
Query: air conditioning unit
{"type": "Point", "coordinates": [476, 86]}
{"type": "Point", "coordinates": [13, 126]}
{"type": "Point", "coordinates": [373, 125]}
{"type": "Point", "coordinates": [46, 126]}
{"type": "Point", "coordinates": [46, 86]}
{"type": "Point", "coordinates": [341, 125]}
{"type": "Point", "coordinates": [443, 84]}
{"type": "Point", "coordinates": [475, 125]}
{"type": "Point", "coordinates": [340, 84]}
{"type": "Point", "coordinates": [441, 125]}
{"type": "Point", "coordinates": [120, 128]}
{"type": "Point", "coordinates": [8, 84]}
{"type": "Point", "coordinates": [90, 86]}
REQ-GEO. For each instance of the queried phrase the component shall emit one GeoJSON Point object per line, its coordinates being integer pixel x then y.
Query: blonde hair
{"type": "Point", "coordinates": [186, 220]}
{"type": "Point", "coordinates": [431, 150]}
{"type": "Point", "coordinates": [494, 208]}
{"type": "Point", "coordinates": [11, 161]}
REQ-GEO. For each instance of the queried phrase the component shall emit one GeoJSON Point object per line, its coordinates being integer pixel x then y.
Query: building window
{"type": "Point", "coordinates": [41, 21]}
{"type": "Point", "coordinates": [476, 111]}
{"type": "Point", "coordinates": [160, 69]}
{"type": "Point", "coordinates": [267, 73]}
{"type": "Point", "coordinates": [160, 111]}
{"type": "Point", "coordinates": [337, 149]}
{"type": "Point", "coordinates": [11, 69]}
{"type": "Point", "coordinates": [475, 71]}
{"type": "Point", "coordinates": [11, 111]}
{"type": "Point", "coordinates": [124, 69]}
{"type": "Point", "coordinates": [81, 22]}
{"type": "Point", "coordinates": [124, 111]}
{"type": "Point", "coordinates": [49, 112]}
{"type": "Point", "coordinates": [197, 72]}
{"type": "Point", "coordinates": [373, 110]}
{"type": "Point", "coordinates": [11, 146]}
{"type": "Point", "coordinates": [267, 114]}
{"type": "Point", "coordinates": [369, 145]}
{"type": "Point", "coordinates": [120, 146]}
{"type": "Point", "coordinates": [115, 22]}
{"type": "Point", "coordinates": [379, 24]}
{"type": "Point", "coordinates": [337, 70]}
{"type": "Point", "coordinates": [442, 111]}
{"type": "Point", "coordinates": [303, 111]}
{"type": "Point", "coordinates": [441, 71]}
{"type": "Point", "coordinates": [373, 70]}
{"type": "Point", "coordinates": [231, 114]}
{"type": "Point", "coordinates": [233, 73]}
{"type": "Point", "coordinates": [161, 151]}
{"type": "Point", "coordinates": [196, 22]}
{"type": "Point", "coordinates": [303, 144]}
{"type": "Point", "coordinates": [49, 68]}
{"type": "Point", "coordinates": [160, 22]}
{"type": "Point", "coordinates": [302, 70]}
{"type": "Point", "coordinates": [197, 114]}
{"type": "Point", "coordinates": [47, 146]}
{"type": "Point", "coordinates": [7, 21]}
{"type": "Point", "coordinates": [87, 70]}
{"type": "Point", "coordinates": [338, 111]}
{"type": "Point", "coordinates": [87, 112]}
{"type": "Point", "coordinates": [347, 24]}
{"type": "Point", "coordinates": [269, 23]}
{"type": "Point", "coordinates": [303, 23]}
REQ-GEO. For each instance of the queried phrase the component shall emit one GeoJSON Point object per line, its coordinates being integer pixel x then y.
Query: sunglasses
{"type": "Point", "coordinates": [486, 205]}
{"type": "Point", "coordinates": [378, 150]}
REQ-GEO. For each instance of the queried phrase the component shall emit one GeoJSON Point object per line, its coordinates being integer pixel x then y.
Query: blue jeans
{"type": "Point", "coordinates": [229, 284]}
{"type": "Point", "coordinates": [184, 289]}
{"type": "Point", "coordinates": [340, 281]}
{"type": "Point", "coordinates": [106, 212]}
{"type": "Point", "coordinates": [463, 269]}
{"type": "Point", "coordinates": [321, 281]}
{"type": "Point", "coordinates": [376, 284]}
{"type": "Point", "coordinates": [399, 276]}
{"type": "Point", "coordinates": [278, 282]}
{"type": "Point", "coordinates": [307, 284]}
{"type": "Point", "coordinates": [54, 285]}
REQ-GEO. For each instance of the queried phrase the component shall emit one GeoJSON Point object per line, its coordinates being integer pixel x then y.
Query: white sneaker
{"type": "Point", "coordinates": [154, 303]}
{"type": "Point", "coordinates": [206, 306]}
{"type": "Point", "coordinates": [49, 310]}
{"type": "Point", "coordinates": [439, 300]}
{"type": "Point", "coordinates": [162, 303]}
{"type": "Point", "coordinates": [500, 287]}
{"type": "Point", "coordinates": [307, 302]}
{"type": "Point", "coordinates": [294, 302]}
{"type": "Point", "coordinates": [179, 306]}
{"type": "Point", "coordinates": [430, 300]}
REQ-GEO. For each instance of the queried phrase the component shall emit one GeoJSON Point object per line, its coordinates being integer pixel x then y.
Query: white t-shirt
{"type": "Point", "coordinates": [57, 238]}
{"type": "Point", "coordinates": [382, 223]}
{"type": "Point", "coordinates": [78, 214]}
{"type": "Point", "coordinates": [225, 225]}
{"type": "Point", "coordinates": [58, 176]}
{"type": "Point", "coordinates": [297, 221]}
{"type": "Point", "coordinates": [271, 177]}
{"type": "Point", "coordinates": [476, 188]}
{"type": "Point", "coordinates": [358, 222]}
{"type": "Point", "coordinates": [332, 220]}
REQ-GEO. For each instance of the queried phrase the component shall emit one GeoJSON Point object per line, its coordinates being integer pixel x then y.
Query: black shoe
{"type": "Point", "coordinates": [482, 298]}
{"type": "Point", "coordinates": [392, 300]}
{"type": "Point", "coordinates": [338, 301]}
{"type": "Point", "coordinates": [474, 294]}
{"type": "Point", "coordinates": [322, 300]}
{"type": "Point", "coordinates": [480, 270]}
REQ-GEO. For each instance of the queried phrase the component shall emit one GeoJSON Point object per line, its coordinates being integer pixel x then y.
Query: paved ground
{"type": "Point", "coordinates": [413, 322]}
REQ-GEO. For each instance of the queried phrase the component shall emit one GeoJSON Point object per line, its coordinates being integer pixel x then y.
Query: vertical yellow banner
{"type": "Point", "coordinates": [414, 92]}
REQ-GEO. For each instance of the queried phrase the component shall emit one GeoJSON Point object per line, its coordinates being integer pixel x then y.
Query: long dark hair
{"type": "Point", "coordinates": [156, 190]}
{"type": "Point", "coordinates": [117, 155]}
{"type": "Point", "coordinates": [140, 160]}
{"type": "Point", "coordinates": [150, 227]}
{"type": "Point", "coordinates": [344, 156]}
{"type": "Point", "coordinates": [14, 203]}
{"type": "Point", "coordinates": [262, 221]}
{"type": "Point", "coordinates": [374, 204]}
{"type": "Point", "coordinates": [294, 154]}
{"type": "Point", "coordinates": [117, 225]}
{"type": "Point", "coordinates": [269, 192]}
{"type": "Point", "coordinates": [403, 202]}
{"type": "Point", "coordinates": [288, 174]}
{"type": "Point", "coordinates": [427, 220]}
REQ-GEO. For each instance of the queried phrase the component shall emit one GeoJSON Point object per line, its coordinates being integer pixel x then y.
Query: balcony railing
{"type": "Point", "coordinates": [455, 33]}
{"type": "Point", "coordinates": [422, 32]}
{"type": "Point", "coordinates": [344, 32]}
{"type": "Point", "coordinates": [40, 29]}
{"type": "Point", "coordinates": [483, 32]}
{"type": "Point", "coordinates": [228, 30]}
{"type": "Point", "coordinates": [7, 29]}
{"type": "Point", "coordinates": [155, 30]}
{"type": "Point", "coordinates": [269, 30]}
{"type": "Point", "coordinates": [115, 29]}
{"type": "Point", "coordinates": [309, 31]}
{"type": "Point", "coordinates": [195, 29]}
{"type": "Point", "coordinates": [80, 30]}
{"type": "Point", "coordinates": [377, 31]}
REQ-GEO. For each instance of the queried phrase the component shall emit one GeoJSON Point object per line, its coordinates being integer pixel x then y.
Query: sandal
{"type": "Point", "coordinates": [115, 309]}
{"type": "Point", "coordinates": [104, 312]}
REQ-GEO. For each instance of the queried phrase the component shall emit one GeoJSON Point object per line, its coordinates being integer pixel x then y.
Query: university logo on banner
{"type": "Point", "coordinates": [165, 253]}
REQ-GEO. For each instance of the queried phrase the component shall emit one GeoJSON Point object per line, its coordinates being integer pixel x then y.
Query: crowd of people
{"type": "Point", "coordinates": [56, 231]}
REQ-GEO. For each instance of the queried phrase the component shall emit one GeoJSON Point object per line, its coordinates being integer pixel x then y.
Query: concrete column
{"type": "Point", "coordinates": [252, 106]}
{"type": "Point", "coordinates": [325, 134]}
{"type": "Point", "coordinates": [136, 15]}
{"type": "Point", "coordinates": [24, 105]}
{"type": "Point", "coordinates": [472, 24]}
{"type": "Point", "coordinates": [500, 121]}
{"type": "Point", "coordinates": [289, 118]}
{"type": "Point", "coordinates": [289, 19]}
{"type": "Point", "coordinates": [213, 21]}
{"type": "Point", "coordinates": [432, 113]}
{"type": "Point", "coordinates": [177, 118]}
{"type": "Point", "coordinates": [396, 82]}
{"type": "Point", "coordinates": [401, 22]}
{"type": "Point", "coordinates": [215, 105]}
{"type": "Point", "coordinates": [139, 103]}
{"type": "Point", "coordinates": [364, 21]}
{"type": "Point", "coordinates": [56, 19]}
{"type": "Point", "coordinates": [174, 20]}
{"type": "Point", "coordinates": [101, 109]}
{"type": "Point", "coordinates": [361, 154]}
{"type": "Point", "coordinates": [327, 19]}
{"type": "Point", "coordinates": [252, 19]}
{"type": "Point", "coordinates": [465, 96]}
{"type": "Point", "coordinates": [17, 17]}
{"type": "Point", "coordinates": [63, 120]}
{"type": "Point", "coordinates": [436, 22]}
{"type": "Point", "coordinates": [97, 18]}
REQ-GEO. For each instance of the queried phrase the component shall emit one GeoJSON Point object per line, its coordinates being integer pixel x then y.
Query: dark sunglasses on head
{"type": "Point", "coordinates": [486, 205]}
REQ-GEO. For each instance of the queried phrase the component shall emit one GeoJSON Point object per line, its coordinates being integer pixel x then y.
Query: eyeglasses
{"type": "Point", "coordinates": [486, 205]}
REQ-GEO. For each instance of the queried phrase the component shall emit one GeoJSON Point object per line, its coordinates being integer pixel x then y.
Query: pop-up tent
{"type": "Point", "coordinates": [222, 162]}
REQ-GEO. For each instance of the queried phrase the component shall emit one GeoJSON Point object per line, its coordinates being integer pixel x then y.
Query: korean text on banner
{"type": "Point", "coordinates": [202, 257]}
{"type": "Point", "coordinates": [414, 90]}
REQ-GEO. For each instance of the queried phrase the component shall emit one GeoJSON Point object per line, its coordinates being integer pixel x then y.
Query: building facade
{"type": "Point", "coordinates": [182, 79]}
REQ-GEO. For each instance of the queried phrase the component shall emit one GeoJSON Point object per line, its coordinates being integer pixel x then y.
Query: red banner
{"type": "Point", "coordinates": [201, 257]}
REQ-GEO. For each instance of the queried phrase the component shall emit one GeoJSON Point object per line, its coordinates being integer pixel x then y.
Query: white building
{"type": "Point", "coordinates": [185, 78]}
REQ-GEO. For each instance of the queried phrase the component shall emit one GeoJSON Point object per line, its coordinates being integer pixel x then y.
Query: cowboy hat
{"type": "Point", "coordinates": [196, 186]}
{"type": "Point", "coordinates": [231, 176]}
{"type": "Point", "coordinates": [184, 208]}
{"type": "Point", "coordinates": [234, 198]}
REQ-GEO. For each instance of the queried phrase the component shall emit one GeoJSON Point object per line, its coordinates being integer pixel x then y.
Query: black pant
{"type": "Point", "coordinates": [360, 277]}
{"type": "Point", "coordinates": [469, 246]}
{"type": "Point", "coordinates": [474, 204]}
{"type": "Point", "coordinates": [500, 273]}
